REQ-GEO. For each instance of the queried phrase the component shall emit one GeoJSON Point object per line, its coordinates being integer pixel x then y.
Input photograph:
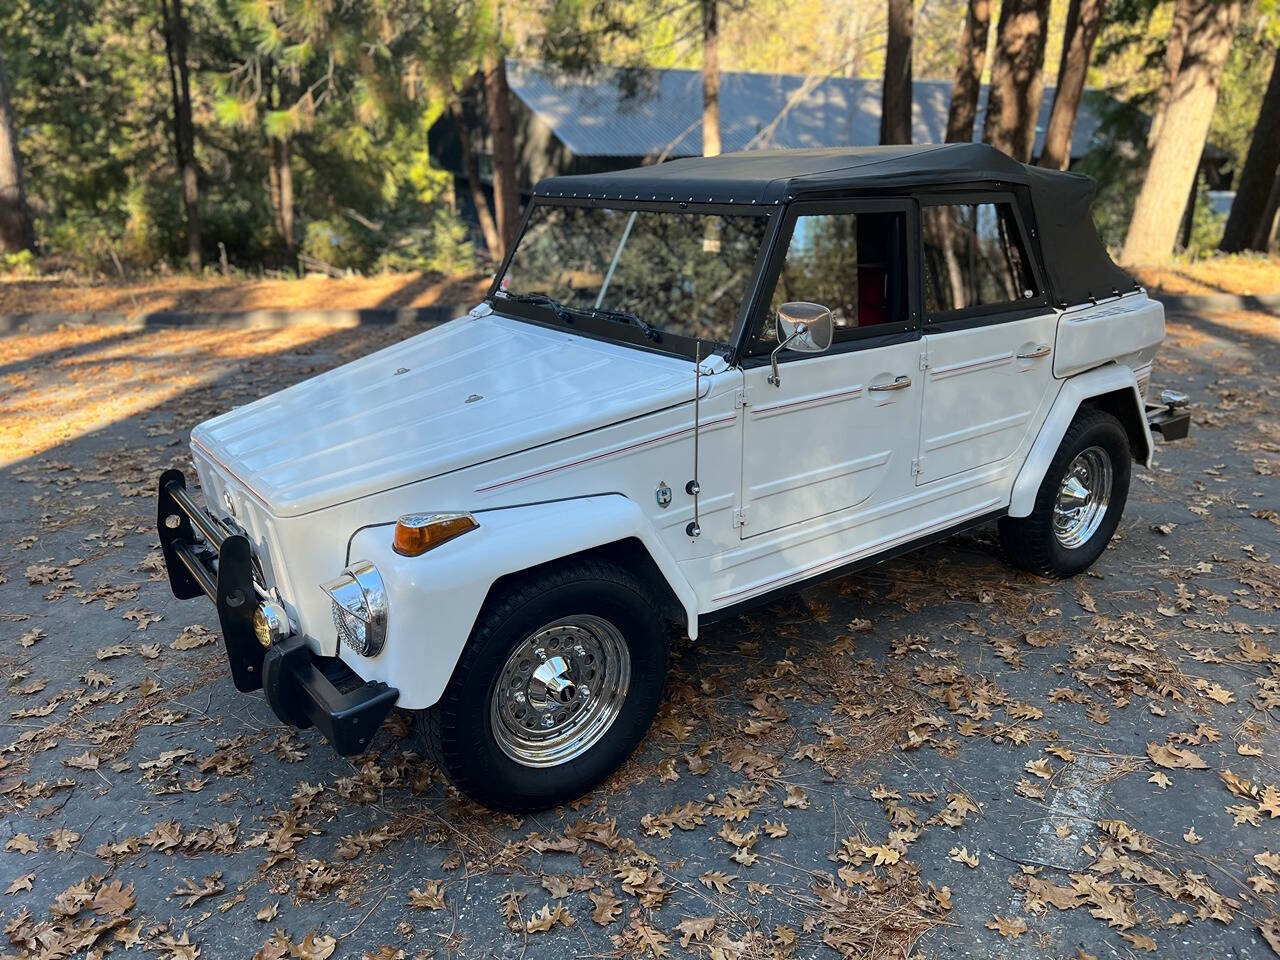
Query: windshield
{"type": "Point", "coordinates": [664, 272]}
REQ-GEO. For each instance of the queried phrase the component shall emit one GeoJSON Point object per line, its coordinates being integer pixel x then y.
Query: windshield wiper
{"type": "Point", "coordinates": [626, 316]}
{"type": "Point", "coordinates": [540, 299]}
{"type": "Point", "coordinates": [564, 312]}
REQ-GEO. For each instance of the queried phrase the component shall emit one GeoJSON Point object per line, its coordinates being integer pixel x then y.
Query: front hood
{"type": "Point", "coordinates": [463, 393]}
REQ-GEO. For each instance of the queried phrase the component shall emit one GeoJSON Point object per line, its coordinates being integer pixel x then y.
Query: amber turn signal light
{"type": "Point", "coordinates": [416, 533]}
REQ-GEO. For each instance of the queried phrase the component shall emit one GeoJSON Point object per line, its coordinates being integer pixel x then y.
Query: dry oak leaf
{"type": "Point", "coordinates": [1191, 836]}
{"type": "Point", "coordinates": [881, 855]}
{"type": "Point", "coordinates": [695, 928]}
{"type": "Point", "coordinates": [717, 881]}
{"type": "Point", "coordinates": [192, 894]}
{"type": "Point", "coordinates": [1243, 813]}
{"type": "Point", "coordinates": [23, 882]}
{"type": "Point", "coordinates": [1160, 779]}
{"type": "Point", "coordinates": [83, 761]}
{"type": "Point", "coordinates": [645, 939]}
{"type": "Point", "coordinates": [22, 843]}
{"type": "Point", "coordinates": [315, 946]}
{"type": "Point", "coordinates": [1174, 758]}
{"type": "Point", "coordinates": [276, 948]}
{"type": "Point", "coordinates": [1012, 927]}
{"type": "Point", "coordinates": [115, 650]}
{"type": "Point", "coordinates": [1140, 941]}
{"type": "Point", "coordinates": [546, 918]}
{"type": "Point", "coordinates": [184, 949]}
{"type": "Point", "coordinates": [268, 913]}
{"type": "Point", "coordinates": [607, 907]}
{"type": "Point", "coordinates": [113, 899]}
{"type": "Point", "coordinates": [1270, 930]}
{"type": "Point", "coordinates": [62, 839]}
{"type": "Point", "coordinates": [962, 855]}
{"type": "Point", "coordinates": [1040, 768]}
{"type": "Point", "coordinates": [193, 636]}
{"type": "Point", "coordinates": [796, 797]}
{"type": "Point", "coordinates": [429, 897]}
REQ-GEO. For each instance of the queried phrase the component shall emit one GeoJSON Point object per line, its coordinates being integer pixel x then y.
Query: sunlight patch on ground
{"type": "Point", "coordinates": [61, 385]}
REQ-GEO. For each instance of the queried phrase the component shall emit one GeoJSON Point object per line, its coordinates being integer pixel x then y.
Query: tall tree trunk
{"type": "Point", "coordinates": [710, 79]}
{"type": "Point", "coordinates": [1265, 238]}
{"type": "Point", "coordinates": [184, 138]}
{"type": "Point", "coordinates": [1084, 17]}
{"type": "Point", "coordinates": [1176, 43]}
{"type": "Point", "coordinates": [895, 105]}
{"type": "Point", "coordinates": [1246, 227]}
{"type": "Point", "coordinates": [968, 83]}
{"type": "Point", "coordinates": [282, 157]}
{"type": "Point", "coordinates": [16, 232]}
{"type": "Point", "coordinates": [1013, 105]}
{"type": "Point", "coordinates": [471, 168]}
{"type": "Point", "coordinates": [1172, 168]}
{"type": "Point", "coordinates": [506, 195]}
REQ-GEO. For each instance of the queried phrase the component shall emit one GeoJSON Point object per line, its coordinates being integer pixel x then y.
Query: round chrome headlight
{"type": "Point", "coordinates": [359, 608]}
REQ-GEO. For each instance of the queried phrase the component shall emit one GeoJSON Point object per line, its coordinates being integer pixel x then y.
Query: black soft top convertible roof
{"type": "Point", "coordinates": [1055, 204]}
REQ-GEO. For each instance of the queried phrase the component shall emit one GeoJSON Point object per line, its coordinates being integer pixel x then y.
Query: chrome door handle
{"type": "Point", "coordinates": [899, 383]}
{"type": "Point", "coordinates": [1042, 350]}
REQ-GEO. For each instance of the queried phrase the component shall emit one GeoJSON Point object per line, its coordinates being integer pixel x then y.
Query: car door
{"type": "Point", "coordinates": [837, 431]}
{"type": "Point", "coordinates": [989, 335]}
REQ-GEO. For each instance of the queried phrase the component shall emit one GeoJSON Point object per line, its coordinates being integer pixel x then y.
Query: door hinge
{"type": "Point", "coordinates": [740, 517]}
{"type": "Point", "coordinates": [916, 466]}
{"type": "Point", "coordinates": [924, 361]}
{"type": "Point", "coordinates": [740, 400]}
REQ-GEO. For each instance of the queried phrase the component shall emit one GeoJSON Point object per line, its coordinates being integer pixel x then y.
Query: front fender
{"type": "Point", "coordinates": [434, 599]}
{"type": "Point", "coordinates": [1113, 379]}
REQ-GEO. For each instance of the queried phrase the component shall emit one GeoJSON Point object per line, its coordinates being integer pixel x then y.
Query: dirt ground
{"type": "Point", "coordinates": [204, 294]}
{"type": "Point", "coordinates": [1241, 275]}
{"type": "Point", "coordinates": [937, 757]}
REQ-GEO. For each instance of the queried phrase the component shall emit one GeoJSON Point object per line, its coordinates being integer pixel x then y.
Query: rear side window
{"type": "Point", "coordinates": [853, 263]}
{"type": "Point", "coordinates": [973, 257]}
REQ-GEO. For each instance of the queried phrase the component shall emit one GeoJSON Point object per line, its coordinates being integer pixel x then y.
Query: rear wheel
{"type": "Point", "coordinates": [1079, 503]}
{"type": "Point", "coordinates": [558, 683]}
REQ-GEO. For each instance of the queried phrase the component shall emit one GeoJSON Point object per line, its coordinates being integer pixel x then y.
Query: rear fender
{"type": "Point", "coordinates": [434, 599]}
{"type": "Point", "coordinates": [1112, 388]}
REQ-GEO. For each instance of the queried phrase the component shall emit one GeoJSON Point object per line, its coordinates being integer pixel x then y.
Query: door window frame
{"type": "Point", "coordinates": [754, 351]}
{"type": "Point", "coordinates": [986, 313]}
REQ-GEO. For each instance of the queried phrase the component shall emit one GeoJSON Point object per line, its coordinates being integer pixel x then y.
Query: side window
{"type": "Point", "coordinates": [973, 257]}
{"type": "Point", "coordinates": [854, 263]}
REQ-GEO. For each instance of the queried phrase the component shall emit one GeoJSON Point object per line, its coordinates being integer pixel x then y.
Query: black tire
{"type": "Point", "coordinates": [1030, 542]}
{"type": "Point", "coordinates": [458, 731]}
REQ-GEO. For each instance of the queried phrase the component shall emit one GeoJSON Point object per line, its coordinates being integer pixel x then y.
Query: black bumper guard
{"type": "Point", "coordinates": [303, 689]}
{"type": "Point", "coordinates": [1172, 423]}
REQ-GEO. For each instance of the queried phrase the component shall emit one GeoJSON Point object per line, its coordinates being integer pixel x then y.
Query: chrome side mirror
{"type": "Point", "coordinates": [807, 327]}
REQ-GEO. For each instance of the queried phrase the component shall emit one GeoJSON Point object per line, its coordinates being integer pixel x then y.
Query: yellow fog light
{"type": "Point", "coordinates": [270, 623]}
{"type": "Point", "coordinates": [416, 533]}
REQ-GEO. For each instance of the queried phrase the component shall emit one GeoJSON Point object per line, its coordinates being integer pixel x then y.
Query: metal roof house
{"type": "Point", "coordinates": [567, 125]}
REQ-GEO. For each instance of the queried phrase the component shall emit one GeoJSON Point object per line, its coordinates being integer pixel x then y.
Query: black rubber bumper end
{"type": "Point", "coordinates": [323, 692]}
{"type": "Point", "coordinates": [1170, 423]}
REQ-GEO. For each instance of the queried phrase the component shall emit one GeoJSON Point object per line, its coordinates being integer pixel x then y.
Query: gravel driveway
{"type": "Point", "coordinates": [938, 755]}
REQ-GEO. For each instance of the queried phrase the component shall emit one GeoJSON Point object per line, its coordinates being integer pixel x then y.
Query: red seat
{"type": "Point", "coordinates": [871, 296]}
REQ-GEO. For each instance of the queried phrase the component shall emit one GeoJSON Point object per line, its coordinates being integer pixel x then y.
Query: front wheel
{"type": "Point", "coordinates": [1079, 503]}
{"type": "Point", "coordinates": [558, 683]}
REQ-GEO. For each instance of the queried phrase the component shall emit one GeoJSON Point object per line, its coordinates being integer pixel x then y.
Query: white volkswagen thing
{"type": "Point", "coordinates": [691, 386]}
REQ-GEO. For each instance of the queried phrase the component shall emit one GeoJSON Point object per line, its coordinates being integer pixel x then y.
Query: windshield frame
{"type": "Point", "coordinates": [597, 328]}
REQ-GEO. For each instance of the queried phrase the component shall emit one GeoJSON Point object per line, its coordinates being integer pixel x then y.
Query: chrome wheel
{"type": "Point", "coordinates": [560, 691]}
{"type": "Point", "coordinates": [1083, 497]}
